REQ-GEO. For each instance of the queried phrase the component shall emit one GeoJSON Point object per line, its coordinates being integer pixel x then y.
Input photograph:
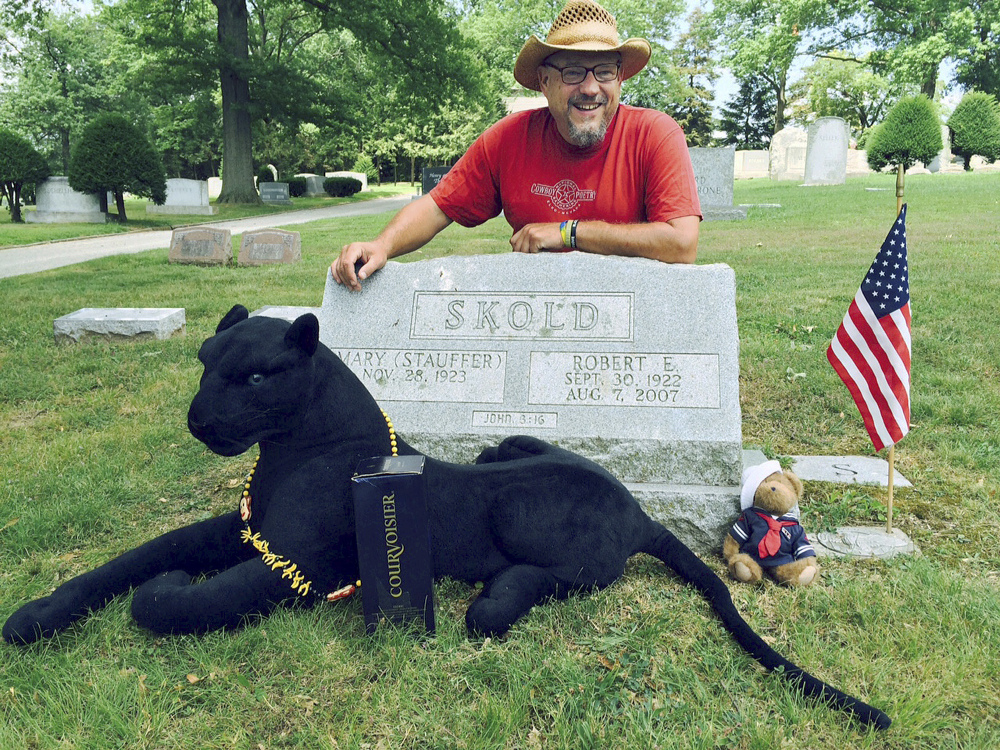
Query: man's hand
{"type": "Point", "coordinates": [533, 238]}
{"type": "Point", "coordinates": [371, 254]}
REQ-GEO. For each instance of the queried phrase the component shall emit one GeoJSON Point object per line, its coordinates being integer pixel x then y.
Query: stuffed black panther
{"type": "Point", "coordinates": [531, 520]}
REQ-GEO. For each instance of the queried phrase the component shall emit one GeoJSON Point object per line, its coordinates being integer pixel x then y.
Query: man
{"type": "Point", "coordinates": [585, 173]}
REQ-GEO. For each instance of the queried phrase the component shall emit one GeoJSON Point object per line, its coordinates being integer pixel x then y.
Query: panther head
{"type": "Point", "coordinates": [257, 381]}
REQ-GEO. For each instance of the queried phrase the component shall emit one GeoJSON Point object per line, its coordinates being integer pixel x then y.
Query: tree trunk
{"type": "Point", "coordinates": [14, 202]}
{"type": "Point", "coordinates": [120, 203]}
{"type": "Point", "coordinates": [64, 146]}
{"type": "Point", "coordinates": [237, 144]}
{"type": "Point", "coordinates": [779, 108]}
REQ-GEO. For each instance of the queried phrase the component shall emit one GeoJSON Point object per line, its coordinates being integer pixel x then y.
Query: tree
{"type": "Point", "coordinates": [57, 81]}
{"type": "Point", "coordinates": [747, 118]}
{"type": "Point", "coordinates": [20, 165]}
{"type": "Point", "coordinates": [693, 58]}
{"type": "Point", "coordinates": [907, 38]}
{"type": "Point", "coordinates": [975, 128]}
{"type": "Point", "coordinates": [910, 133]}
{"type": "Point", "coordinates": [838, 86]}
{"type": "Point", "coordinates": [979, 62]}
{"type": "Point", "coordinates": [112, 155]}
{"type": "Point", "coordinates": [764, 38]}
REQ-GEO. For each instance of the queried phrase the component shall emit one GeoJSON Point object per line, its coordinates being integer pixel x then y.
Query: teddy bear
{"type": "Point", "coordinates": [766, 536]}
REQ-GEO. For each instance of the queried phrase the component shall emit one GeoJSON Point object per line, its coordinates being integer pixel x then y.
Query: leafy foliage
{"type": "Point", "coordinates": [975, 127]}
{"type": "Point", "coordinates": [20, 164]}
{"type": "Point", "coordinates": [747, 117]}
{"type": "Point", "coordinates": [911, 132]}
{"type": "Point", "coordinates": [838, 86]}
{"type": "Point", "coordinates": [112, 155]}
{"type": "Point", "coordinates": [693, 58]}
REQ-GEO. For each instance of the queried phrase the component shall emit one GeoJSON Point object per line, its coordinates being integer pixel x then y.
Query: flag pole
{"type": "Point", "coordinates": [892, 448]}
{"type": "Point", "coordinates": [892, 472]}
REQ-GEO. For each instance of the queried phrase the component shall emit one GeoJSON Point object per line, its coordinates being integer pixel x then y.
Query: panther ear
{"type": "Point", "coordinates": [237, 315]}
{"type": "Point", "coordinates": [304, 333]}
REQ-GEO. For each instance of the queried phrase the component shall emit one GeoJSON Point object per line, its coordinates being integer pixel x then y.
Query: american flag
{"type": "Point", "coordinates": [871, 349]}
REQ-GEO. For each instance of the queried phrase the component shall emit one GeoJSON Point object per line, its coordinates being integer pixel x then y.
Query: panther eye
{"type": "Point", "coordinates": [255, 379]}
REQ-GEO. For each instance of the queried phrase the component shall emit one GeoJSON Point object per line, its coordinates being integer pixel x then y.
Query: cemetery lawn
{"type": "Point", "coordinates": [96, 459]}
{"type": "Point", "coordinates": [12, 235]}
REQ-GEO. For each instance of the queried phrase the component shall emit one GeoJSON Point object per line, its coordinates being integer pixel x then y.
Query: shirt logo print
{"type": "Point", "coordinates": [564, 196]}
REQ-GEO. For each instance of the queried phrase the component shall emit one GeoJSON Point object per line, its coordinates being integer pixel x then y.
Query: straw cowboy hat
{"type": "Point", "coordinates": [581, 25]}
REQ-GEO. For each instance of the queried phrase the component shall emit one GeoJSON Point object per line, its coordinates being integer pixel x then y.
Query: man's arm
{"type": "Point", "coordinates": [413, 227]}
{"type": "Point", "coordinates": [673, 241]}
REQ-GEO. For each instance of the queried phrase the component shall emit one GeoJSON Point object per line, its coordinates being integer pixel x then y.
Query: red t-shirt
{"type": "Point", "coordinates": [521, 165]}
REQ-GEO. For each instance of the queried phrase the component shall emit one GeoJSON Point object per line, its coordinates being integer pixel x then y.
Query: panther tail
{"type": "Point", "coordinates": [666, 547]}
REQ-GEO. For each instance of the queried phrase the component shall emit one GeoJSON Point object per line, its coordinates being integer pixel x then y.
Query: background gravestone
{"type": "Point", "coordinates": [314, 184]}
{"type": "Point", "coordinates": [359, 176]}
{"type": "Point", "coordinates": [266, 246]}
{"type": "Point", "coordinates": [185, 197]}
{"type": "Point", "coordinates": [714, 175]}
{"type": "Point", "coordinates": [751, 164]}
{"type": "Point", "coordinates": [430, 177]}
{"type": "Point", "coordinates": [826, 152]}
{"type": "Point", "coordinates": [57, 203]}
{"type": "Point", "coordinates": [201, 246]}
{"type": "Point", "coordinates": [630, 362]}
{"type": "Point", "coordinates": [119, 323]}
{"type": "Point", "coordinates": [275, 193]}
{"type": "Point", "coordinates": [788, 154]}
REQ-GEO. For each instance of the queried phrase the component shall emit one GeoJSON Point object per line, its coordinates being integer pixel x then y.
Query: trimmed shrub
{"type": "Point", "coordinates": [113, 155]}
{"type": "Point", "coordinates": [20, 166]}
{"type": "Point", "coordinates": [296, 186]}
{"type": "Point", "coordinates": [975, 128]}
{"type": "Point", "coordinates": [910, 132]}
{"type": "Point", "coordinates": [341, 187]}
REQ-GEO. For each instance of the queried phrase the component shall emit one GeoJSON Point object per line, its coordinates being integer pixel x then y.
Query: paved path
{"type": "Point", "coordinates": [15, 261]}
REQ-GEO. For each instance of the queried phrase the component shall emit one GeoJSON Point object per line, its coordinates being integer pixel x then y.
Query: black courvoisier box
{"type": "Point", "coordinates": [394, 545]}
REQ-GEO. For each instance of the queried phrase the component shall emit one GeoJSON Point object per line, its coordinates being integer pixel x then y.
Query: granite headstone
{"type": "Point", "coordinates": [751, 164]}
{"type": "Point", "coordinates": [788, 154]}
{"type": "Point", "coordinates": [201, 246]}
{"type": "Point", "coordinates": [275, 192]}
{"type": "Point", "coordinates": [314, 184]}
{"type": "Point", "coordinates": [185, 197]}
{"type": "Point", "coordinates": [630, 362]}
{"type": "Point", "coordinates": [714, 174]}
{"type": "Point", "coordinates": [119, 323]}
{"type": "Point", "coordinates": [826, 151]}
{"type": "Point", "coordinates": [430, 177]}
{"type": "Point", "coordinates": [261, 247]}
{"type": "Point", "coordinates": [57, 203]}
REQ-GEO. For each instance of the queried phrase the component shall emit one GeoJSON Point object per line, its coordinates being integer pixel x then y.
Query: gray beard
{"type": "Point", "coordinates": [587, 138]}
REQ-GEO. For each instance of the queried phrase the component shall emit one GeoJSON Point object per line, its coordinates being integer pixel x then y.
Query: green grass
{"type": "Point", "coordinates": [12, 235]}
{"type": "Point", "coordinates": [96, 459]}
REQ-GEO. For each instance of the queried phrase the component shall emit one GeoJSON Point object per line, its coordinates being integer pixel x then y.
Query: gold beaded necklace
{"type": "Point", "coordinates": [289, 569]}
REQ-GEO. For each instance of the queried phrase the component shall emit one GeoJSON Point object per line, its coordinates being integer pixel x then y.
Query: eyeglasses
{"type": "Point", "coordinates": [574, 74]}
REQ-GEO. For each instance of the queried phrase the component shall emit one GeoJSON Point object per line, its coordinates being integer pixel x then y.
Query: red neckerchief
{"type": "Point", "coordinates": [771, 542]}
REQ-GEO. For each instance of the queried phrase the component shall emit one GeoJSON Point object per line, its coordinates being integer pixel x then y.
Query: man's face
{"type": "Point", "coordinates": [584, 110]}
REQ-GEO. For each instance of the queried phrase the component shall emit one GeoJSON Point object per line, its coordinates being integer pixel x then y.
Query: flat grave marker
{"type": "Point", "coordinates": [119, 323]}
{"type": "Point", "coordinates": [202, 246]}
{"type": "Point", "coordinates": [269, 246]}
